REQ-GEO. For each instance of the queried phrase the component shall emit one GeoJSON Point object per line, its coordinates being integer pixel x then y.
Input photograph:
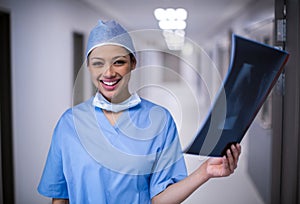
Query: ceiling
{"type": "Point", "coordinates": [206, 18]}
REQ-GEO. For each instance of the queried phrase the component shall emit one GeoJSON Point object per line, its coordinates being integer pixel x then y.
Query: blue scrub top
{"type": "Point", "coordinates": [141, 156]}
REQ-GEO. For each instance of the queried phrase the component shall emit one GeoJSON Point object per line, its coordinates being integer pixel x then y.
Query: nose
{"type": "Point", "coordinates": [109, 71]}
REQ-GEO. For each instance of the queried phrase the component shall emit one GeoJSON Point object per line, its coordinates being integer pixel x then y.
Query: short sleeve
{"type": "Point", "coordinates": [170, 162]}
{"type": "Point", "coordinates": [53, 183]}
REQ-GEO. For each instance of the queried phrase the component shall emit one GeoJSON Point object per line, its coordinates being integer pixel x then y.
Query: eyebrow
{"type": "Point", "coordinates": [114, 58]}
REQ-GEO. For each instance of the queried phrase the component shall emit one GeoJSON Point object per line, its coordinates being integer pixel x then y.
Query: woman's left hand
{"type": "Point", "coordinates": [224, 166]}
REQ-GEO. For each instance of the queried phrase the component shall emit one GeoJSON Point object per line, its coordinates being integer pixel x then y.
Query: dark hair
{"type": "Point", "coordinates": [132, 58]}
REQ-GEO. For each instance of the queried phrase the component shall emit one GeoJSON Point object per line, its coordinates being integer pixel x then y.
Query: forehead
{"type": "Point", "coordinates": [109, 51]}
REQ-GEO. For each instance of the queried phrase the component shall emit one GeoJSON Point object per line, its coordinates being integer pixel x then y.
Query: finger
{"type": "Point", "coordinates": [231, 161]}
{"type": "Point", "coordinates": [226, 167]}
{"type": "Point", "coordinates": [239, 147]}
{"type": "Point", "coordinates": [235, 153]}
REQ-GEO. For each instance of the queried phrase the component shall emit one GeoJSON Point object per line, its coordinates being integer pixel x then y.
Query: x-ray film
{"type": "Point", "coordinates": [253, 71]}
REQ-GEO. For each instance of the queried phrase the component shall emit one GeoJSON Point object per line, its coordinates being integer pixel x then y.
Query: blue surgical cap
{"type": "Point", "coordinates": [109, 33]}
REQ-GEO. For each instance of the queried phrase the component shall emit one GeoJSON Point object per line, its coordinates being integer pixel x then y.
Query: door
{"type": "Point", "coordinates": [286, 108]}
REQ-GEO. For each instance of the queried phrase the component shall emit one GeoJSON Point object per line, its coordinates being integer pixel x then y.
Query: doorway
{"type": "Point", "coordinates": [286, 151]}
{"type": "Point", "coordinates": [78, 77]}
{"type": "Point", "coordinates": [6, 155]}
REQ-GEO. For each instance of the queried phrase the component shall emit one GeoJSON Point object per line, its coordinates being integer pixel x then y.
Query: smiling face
{"type": "Point", "coordinates": [110, 67]}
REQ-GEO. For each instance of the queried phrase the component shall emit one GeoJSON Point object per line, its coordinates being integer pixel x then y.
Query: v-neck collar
{"type": "Point", "coordinates": [103, 121]}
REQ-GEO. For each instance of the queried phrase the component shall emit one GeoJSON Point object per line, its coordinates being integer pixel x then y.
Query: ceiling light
{"type": "Point", "coordinates": [181, 14]}
{"type": "Point", "coordinates": [172, 25]}
{"type": "Point", "coordinates": [159, 14]}
{"type": "Point", "coordinates": [172, 22]}
{"type": "Point", "coordinates": [170, 14]}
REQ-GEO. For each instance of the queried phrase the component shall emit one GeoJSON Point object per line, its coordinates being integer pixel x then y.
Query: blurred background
{"type": "Point", "coordinates": [180, 66]}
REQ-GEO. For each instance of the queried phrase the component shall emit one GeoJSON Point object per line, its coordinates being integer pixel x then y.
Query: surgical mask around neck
{"type": "Point", "coordinates": [101, 102]}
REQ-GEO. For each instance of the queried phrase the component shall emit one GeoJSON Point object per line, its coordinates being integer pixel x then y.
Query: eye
{"type": "Point", "coordinates": [97, 64]}
{"type": "Point", "coordinates": [119, 62]}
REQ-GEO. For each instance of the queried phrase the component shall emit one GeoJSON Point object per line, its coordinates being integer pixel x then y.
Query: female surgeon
{"type": "Point", "coordinates": [117, 147]}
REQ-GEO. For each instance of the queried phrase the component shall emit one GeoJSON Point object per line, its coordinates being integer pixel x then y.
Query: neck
{"type": "Point", "coordinates": [112, 117]}
{"type": "Point", "coordinates": [121, 97]}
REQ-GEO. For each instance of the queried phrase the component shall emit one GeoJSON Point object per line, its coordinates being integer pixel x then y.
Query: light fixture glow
{"type": "Point", "coordinates": [171, 14]}
{"type": "Point", "coordinates": [172, 22]}
{"type": "Point", "coordinates": [172, 25]}
{"type": "Point", "coordinates": [159, 14]}
{"type": "Point", "coordinates": [181, 14]}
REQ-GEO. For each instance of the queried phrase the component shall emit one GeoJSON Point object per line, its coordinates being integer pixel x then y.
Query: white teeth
{"type": "Point", "coordinates": [109, 83]}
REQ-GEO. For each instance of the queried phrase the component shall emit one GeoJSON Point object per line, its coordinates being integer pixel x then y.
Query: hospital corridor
{"type": "Point", "coordinates": [183, 51]}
